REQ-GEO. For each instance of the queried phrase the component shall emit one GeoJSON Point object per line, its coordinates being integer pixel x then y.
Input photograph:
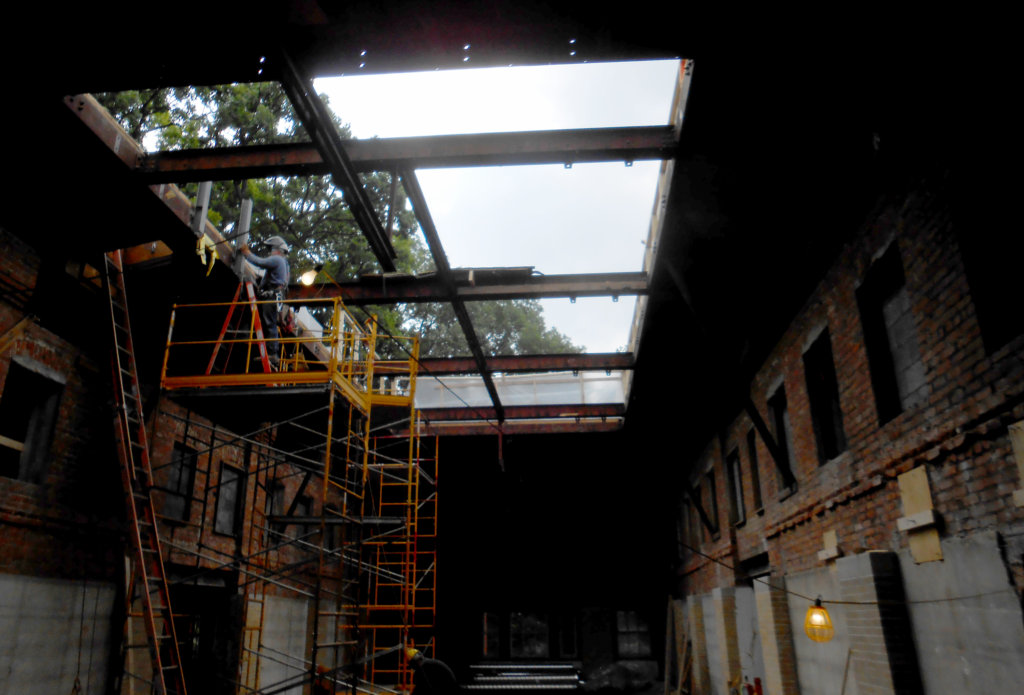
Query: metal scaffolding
{"type": "Point", "coordinates": [328, 497]}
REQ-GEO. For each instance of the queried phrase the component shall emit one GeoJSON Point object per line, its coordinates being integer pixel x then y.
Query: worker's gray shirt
{"type": "Point", "coordinates": [277, 274]}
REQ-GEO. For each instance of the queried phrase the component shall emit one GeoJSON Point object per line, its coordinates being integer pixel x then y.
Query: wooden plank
{"type": "Point", "coordinates": [917, 499]}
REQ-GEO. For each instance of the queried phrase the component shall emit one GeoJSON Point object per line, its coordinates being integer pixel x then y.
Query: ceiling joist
{"type": "Point", "coordinates": [512, 364]}
{"type": "Point", "coordinates": [436, 151]}
{"type": "Point", "coordinates": [477, 284]}
{"type": "Point", "coordinates": [444, 271]}
{"type": "Point", "coordinates": [316, 119]}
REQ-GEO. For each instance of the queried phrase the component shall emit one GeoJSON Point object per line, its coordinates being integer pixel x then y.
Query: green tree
{"type": "Point", "coordinates": [311, 214]}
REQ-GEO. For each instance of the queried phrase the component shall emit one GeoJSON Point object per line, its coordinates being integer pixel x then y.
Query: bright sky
{"type": "Point", "coordinates": [590, 218]}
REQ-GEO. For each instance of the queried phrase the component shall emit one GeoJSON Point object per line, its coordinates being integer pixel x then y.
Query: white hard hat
{"type": "Point", "coordinates": [278, 243]}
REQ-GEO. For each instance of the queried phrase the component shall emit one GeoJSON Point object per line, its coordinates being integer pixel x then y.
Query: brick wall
{"type": "Point", "coordinates": [68, 524]}
{"type": "Point", "coordinates": [957, 429]}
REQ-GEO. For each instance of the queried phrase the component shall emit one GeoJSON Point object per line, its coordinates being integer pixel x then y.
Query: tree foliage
{"type": "Point", "coordinates": [311, 214]}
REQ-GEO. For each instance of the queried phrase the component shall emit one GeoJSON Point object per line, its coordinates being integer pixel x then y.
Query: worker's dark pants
{"type": "Point", "coordinates": [270, 312]}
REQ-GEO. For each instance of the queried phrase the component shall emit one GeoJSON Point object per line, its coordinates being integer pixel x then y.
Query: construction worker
{"type": "Point", "coordinates": [430, 676]}
{"type": "Point", "coordinates": [272, 289]}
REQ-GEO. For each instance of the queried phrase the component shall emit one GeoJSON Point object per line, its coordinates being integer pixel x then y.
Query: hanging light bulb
{"type": "Point", "coordinates": [817, 624]}
{"type": "Point", "coordinates": [309, 276]}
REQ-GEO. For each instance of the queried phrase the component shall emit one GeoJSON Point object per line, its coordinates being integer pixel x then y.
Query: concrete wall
{"type": "Point", "coordinates": [713, 647]}
{"type": "Point", "coordinates": [820, 665]}
{"type": "Point", "coordinates": [285, 642]}
{"type": "Point", "coordinates": [967, 618]}
{"type": "Point", "coordinates": [51, 631]}
{"type": "Point", "coordinates": [748, 635]}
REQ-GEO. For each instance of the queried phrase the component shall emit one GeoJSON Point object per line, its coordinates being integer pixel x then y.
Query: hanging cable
{"type": "Point", "coordinates": [836, 602]}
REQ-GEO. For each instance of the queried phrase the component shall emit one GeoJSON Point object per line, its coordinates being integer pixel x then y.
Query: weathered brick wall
{"type": "Point", "coordinates": [69, 524]}
{"type": "Point", "coordinates": [958, 431]}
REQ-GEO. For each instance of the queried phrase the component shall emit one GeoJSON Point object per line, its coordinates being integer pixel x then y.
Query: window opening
{"type": "Point", "coordinates": [712, 505]}
{"type": "Point", "coordinates": [633, 637]}
{"type": "Point", "coordinates": [228, 518]}
{"type": "Point", "coordinates": [28, 417]}
{"type": "Point", "coordinates": [277, 506]}
{"type": "Point", "coordinates": [897, 372]}
{"type": "Point", "coordinates": [823, 392]}
{"type": "Point", "coordinates": [683, 531]}
{"type": "Point", "coordinates": [492, 636]}
{"type": "Point", "coordinates": [991, 260]}
{"type": "Point", "coordinates": [700, 531]}
{"type": "Point", "coordinates": [755, 476]}
{"type": "Point", "coordinates": [567, 645]}
{"type": "Point", "coordinates": [180, 482]}
{"type": "Point", "coordinates": [783, 438]}
{"type": "Point", "coordinates": [739, 509]}
{"type": "Point", "coordinates": [528, 636]}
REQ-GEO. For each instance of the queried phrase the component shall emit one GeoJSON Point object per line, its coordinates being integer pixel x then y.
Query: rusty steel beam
{"type": "Point", "coordinates": [444, 272]}
{"type": "Point", "coordinates": [385, 289]}
{"type": "Point", "coordinates": [109, 132]}
{"type": "Point", "coordinates": [525, 412]}
{"type": "Point", "coordinates": [438, 366]}
{"type": "Point", "coordinates": [454, 429]}
{"type": "Point", "coordinates": [316, 119]}
{"type": "Point", "coordinates": [583, 145]}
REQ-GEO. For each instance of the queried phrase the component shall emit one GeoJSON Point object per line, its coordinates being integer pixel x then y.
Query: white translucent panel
{"type": "Point", "coordinates": [451, 392]}
{"type": "Point", "coordinates": [608, 389]}
{"type": "Point", "coordinates": [556, 388]}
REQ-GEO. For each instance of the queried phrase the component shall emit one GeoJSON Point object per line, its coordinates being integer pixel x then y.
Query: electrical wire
{"type": "Point", "coordinates": [837, 602]}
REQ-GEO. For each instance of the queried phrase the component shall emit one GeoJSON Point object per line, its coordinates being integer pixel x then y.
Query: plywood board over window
{"type": "Point", "coordinates": [919, 520]}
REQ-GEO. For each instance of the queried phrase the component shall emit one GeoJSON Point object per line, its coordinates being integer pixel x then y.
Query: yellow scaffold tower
{"type": "Point", "coordinates": [342, 508]}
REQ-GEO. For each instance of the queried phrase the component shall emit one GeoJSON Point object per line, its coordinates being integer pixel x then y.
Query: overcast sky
{"type": "Point", "coordinates": [590, 218]}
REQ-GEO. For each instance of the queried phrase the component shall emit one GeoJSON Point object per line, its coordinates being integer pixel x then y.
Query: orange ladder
{"type": "Point", "coordinates": [137, 476]}
{"type": "Point", "coordinates": [257, 324]}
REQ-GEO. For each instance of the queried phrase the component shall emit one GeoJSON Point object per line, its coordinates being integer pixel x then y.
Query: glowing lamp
{"type": "Point", "coordinates": [817, 624]}
{"type": "Point", "coordinates": [309, 276]}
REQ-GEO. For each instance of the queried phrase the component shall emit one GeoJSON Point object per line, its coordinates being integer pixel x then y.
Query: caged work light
{"type": "Point", "coordinates": [817, 624]}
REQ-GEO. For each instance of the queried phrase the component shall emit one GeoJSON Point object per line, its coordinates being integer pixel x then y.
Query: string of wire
{"type": "Point", "coordinates": [837, 602]}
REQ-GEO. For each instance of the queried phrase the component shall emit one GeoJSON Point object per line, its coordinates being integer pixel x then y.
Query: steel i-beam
{"type": "Point", "coordinates": [444, 270]}
{"type": "Point", "coordinates": [317, 121]}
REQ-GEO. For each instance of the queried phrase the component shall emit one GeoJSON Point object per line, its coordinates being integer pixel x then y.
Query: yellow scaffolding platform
{"type": "Point", "coordinates": [366, 547]}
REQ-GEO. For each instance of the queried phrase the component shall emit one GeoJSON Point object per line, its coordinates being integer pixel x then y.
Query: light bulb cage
{"type": "Point", "coordinates": [818, 624]}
